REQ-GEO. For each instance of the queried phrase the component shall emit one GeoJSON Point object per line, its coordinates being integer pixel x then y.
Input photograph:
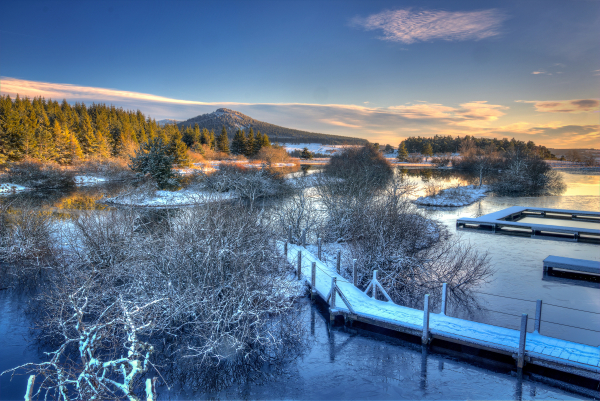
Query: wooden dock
{"type": "Point", "coordinates": [506, 222]}
{"type": "Point", "coordinates": [571, 264]}
{"type": "Point", "coordinates": [347, 300]}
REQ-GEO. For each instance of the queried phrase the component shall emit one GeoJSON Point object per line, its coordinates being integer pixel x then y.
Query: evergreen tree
{"type": "Point", "coordinates": [249, 144]}
{"type": "Point", "coordinates": [402, 152]}
{"type": "Point", "coordinates": [238, 144]}
{"type": "Point", "coordinates": [258, 143]}
{"type": "Point", "coordinates": [427, 151]}
{"type": "Point", "coordinates": [188, 137]}
{"type": "Point", "coordinates": [265, 141]}
{"type": "Point", "coordinates": [212, 141]}
{"type": "Point", "coordinates": [223, 141]}
{"type": "Point", "coordinates": [155, 159]}
{"type": "Point", "coordinates": [306, 154]}
{"type": "Point", "coordinates": [177, 148]}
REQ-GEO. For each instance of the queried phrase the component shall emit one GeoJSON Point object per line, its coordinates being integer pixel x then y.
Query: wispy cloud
{"type": "Point", "coordinates": [407, 26]}
{"type": "Point", "coordinates": [565, 106]}
{"type": "Point", "coordinates": [540, 73]}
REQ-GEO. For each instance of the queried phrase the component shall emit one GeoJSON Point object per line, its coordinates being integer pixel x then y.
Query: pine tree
{"type": "Point", "coordinates": [178, 149]}
{"type": "Point", "coordinates": [154, 158]}
{"type": "Point", "coordinates": [249, 144]}
{"type": "Point", "coordinates": [306, 154]}
{"type": "Point", "coordinates": [402, 152]}
{"type": "Point", "coordinates": [223, 141]}
{"type": "Point", "coordinates": [188, 137]}
{"type": "Point", "coordinates": [427, 150]}
{"type": "Point", "coordinates": [265, 141]}
{"type": "Point", "coordinates": [258, 143]}
{"type": "Point", "coordinates": [238, 144]}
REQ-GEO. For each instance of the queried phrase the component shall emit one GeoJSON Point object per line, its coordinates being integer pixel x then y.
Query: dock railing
{"type": "Point", "coordinates": [353, 304]}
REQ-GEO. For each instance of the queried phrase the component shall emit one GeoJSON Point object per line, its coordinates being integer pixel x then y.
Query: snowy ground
{"type": "Point", "coordinates": [313, 147]}
{"type": "Point", "coordinates": [456, 196]}
{"type": "Point", "coordinates": [8, 188]}
{"type": "Point", "coordinates": [88, 180]}
{"type": "Point", "coordinates": [170, 198]}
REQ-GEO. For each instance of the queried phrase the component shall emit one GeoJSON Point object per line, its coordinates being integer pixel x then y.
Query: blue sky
{"type": "Point", "coordinates": [378, 70]}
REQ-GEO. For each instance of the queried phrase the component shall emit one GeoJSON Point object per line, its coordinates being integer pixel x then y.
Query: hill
{"type": "Point", "coordinates": [234, 120]}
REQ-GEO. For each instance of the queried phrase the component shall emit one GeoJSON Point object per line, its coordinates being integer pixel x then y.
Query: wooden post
{"type": "Point", "coordinates": [444, 299]}
{"type": "Point", "coordinates": [151, 389]}
{"type": "Point", "coordinates": [299, 265]}
{"type": "Point", "coordinates": [354, 273]}
{"type": "Point", "coordinates": [538, 316]}
{"type": "Point", "coordinates": [290, 233]}
{"type": "Point", "coordinates": [522, 340]}
{"type": "Point", "coordinates": [425, 336]}
{"type": "Point", "coordinates": [332, 298]}
{"type": "Point", "coordinates": [29, 392]}
{"type": "Point", "coordinates": [303, 237]}
{"type": "Point", "coordinates": [285, 249]}
{"type": "Point", "coordinates": [339, 261]}
{"type": "Point", "coordinates": [313, 280]}
{"type": "Point", "coordinates": [374, 286]}
{"type": "Point", "coordinates": [319, 248]}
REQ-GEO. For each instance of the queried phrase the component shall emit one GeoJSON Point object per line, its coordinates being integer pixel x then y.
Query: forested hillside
{"type": "Point", "coordinates": [234, 120]}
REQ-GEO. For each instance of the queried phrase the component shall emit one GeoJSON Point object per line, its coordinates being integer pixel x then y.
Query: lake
{"type": "Point", "coordinates": [342, 363]}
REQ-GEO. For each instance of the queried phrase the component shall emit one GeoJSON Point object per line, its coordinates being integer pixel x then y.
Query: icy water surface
{"type": "Point", "coordinates": [340, 363]}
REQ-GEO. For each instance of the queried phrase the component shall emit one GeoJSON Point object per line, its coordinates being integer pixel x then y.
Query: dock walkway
{"type": "Point", "coordinates": [354, 304]}
{"type": "Point", "coordinates": [578, 265]}
{"type": "Point", "coordinates": [503, 222]}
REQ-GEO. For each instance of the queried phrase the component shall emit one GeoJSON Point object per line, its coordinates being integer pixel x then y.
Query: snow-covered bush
{"type": "Point", "coordinates": [525, 173]}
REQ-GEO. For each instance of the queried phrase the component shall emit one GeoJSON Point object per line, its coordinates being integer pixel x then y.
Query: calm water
{"type": "Point", "coordinates": [344, 364]}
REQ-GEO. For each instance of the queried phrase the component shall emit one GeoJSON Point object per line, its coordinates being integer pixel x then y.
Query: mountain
{"type": "Point", "coordinates": [167, 121]}
{"type": "Point", "coordinates": [234, 120]}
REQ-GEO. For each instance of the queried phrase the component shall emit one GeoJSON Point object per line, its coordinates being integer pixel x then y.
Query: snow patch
{"type": "Point", "coordinates": [455, 197]}
{"type": "Point", "coordinates": [171, 198]}
{"type": "Point", "coordinates": [8, 188]}
{"type": "Point", "coordinates": [88, 180]}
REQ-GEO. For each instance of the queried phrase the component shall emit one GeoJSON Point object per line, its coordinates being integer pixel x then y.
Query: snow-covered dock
{"type": "Point", "coordinates": [578, 265]}
{"type": "Point", "coordinates": [506, 221]}
{"type": "Point", "coordinates": [345, 299]}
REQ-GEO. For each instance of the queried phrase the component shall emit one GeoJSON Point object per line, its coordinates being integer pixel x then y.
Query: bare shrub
{"type": "Point", "coordinates": [26, 235]}
{"type": "Point", "coordinates": [249, 184]}
{"type": "Point", "coordinates": [35, 174]}
{"type": "Point", "coordinates": [413, 254]}
{"type": "Point", "coordinates": [206, 284]}
{"type": "Point", "coordinates": [272, 154]}
{"type": "Point", "coordinates": [116, 169]}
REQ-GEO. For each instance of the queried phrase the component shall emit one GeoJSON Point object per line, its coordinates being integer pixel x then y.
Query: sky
{"type": "Point", "coordinates": [380, 70]}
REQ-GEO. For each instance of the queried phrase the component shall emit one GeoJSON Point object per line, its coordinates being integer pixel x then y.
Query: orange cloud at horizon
{"type": "Point", "coordinates": [377, 124]}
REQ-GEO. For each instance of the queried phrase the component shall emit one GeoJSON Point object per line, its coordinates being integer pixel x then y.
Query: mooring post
{"type": "Point", "coordinates": [303, 237]}
{"type": "Point", "coordinates": [522, 340]}
{"type": "Point", "coordinates": [354, 273]}
{"type": "Point", "coordinates": [538, 316]}
{"type": "Point", "coordinates": [332, 298]}
{"type": "Point", "coordinates": [339, 261]}
{"type": "Point", "coordinates": [444, 298]}
{"type": "Point", "coordinates": [290, 233]}
{"type": "Point", "coordinates": [425, 336]}
{"type": "Point", "coordinates": [313, 280]}
{"type": "Point", "coordinates": [299, 265]}
{"type": "Point", "coordinates": [374, 285]}
{"type": "Point", "coordinates": [319, 248]}
{"type": "Point", "coordinates": [29, 392]}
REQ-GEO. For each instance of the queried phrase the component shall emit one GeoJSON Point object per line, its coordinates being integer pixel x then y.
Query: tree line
{"type": "Point", "coordinates": [452, 144]}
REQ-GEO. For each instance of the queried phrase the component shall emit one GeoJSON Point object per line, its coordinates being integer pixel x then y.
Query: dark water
{"type": "Point", "coordinates": [339, 363]}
